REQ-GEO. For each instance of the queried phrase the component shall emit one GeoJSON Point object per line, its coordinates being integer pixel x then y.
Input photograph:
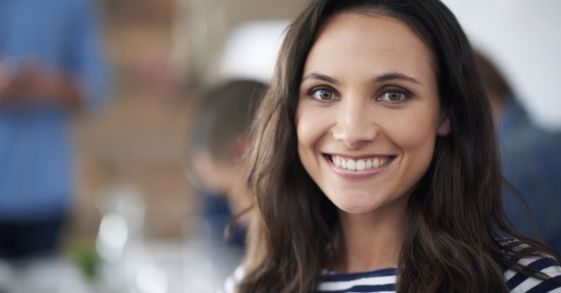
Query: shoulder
{"type": "Point", "coordinates": [549, 280]}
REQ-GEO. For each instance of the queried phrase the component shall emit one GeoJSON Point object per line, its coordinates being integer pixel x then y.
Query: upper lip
{"type": "Point", "coordinates": [359, 156]}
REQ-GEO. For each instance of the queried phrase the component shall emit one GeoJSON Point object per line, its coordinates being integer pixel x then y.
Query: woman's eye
{"type": "Point", "coordinates": [323, 94]}
{"type": "Point", "coordinates": [393, 96]}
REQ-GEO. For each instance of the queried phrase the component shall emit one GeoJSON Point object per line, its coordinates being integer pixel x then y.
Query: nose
{"type": "Point", "coordinates": [355, 124]}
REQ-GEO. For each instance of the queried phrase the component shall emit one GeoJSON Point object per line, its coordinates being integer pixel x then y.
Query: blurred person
{"type": "Point", "coordinates": [530, 158]}
{"type": "Point", "coordinates": [51, 66]}
{"type": "Point", "coordinates": [219, 141]}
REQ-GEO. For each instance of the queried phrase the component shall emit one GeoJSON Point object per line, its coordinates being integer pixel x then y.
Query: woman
{"type": "Point", "coordinates": [374, 166]}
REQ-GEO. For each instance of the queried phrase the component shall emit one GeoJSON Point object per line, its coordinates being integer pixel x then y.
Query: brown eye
{"type": "Point", "coordinates": [394, 96]}
{"type": "Point", "coordinates": [323, 94]}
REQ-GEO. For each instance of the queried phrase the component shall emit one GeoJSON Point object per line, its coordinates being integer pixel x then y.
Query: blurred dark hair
{"type": "Point", "coordinates": [494, 81]}
{"type": "Point", "coordinates": [225, 115]}
{"type": "Point", "coordinates": [456, 227]}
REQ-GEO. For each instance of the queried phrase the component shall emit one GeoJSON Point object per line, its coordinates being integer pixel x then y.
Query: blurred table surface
{"type": "Point", "coordinates": [151, 267]}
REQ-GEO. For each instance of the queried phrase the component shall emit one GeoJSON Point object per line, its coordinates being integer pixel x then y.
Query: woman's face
{"type": "Point", "coordinates": [368, 112]}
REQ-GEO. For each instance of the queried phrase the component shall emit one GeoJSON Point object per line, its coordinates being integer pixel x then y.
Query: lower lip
{"type": "Point", "coordinates": [347, 174]}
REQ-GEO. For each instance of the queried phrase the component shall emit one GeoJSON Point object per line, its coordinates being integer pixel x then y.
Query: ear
{"type": "Point", "coordinates": [241, 145]}
{"type": "Point", "coordinates": [444, 127]}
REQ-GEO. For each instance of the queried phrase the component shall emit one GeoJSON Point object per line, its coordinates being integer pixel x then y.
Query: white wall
{"type": "Point", "coordinates": [523, 37]}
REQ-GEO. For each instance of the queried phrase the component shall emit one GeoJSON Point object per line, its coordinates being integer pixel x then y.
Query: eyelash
{"type": "Point", "coordinates": [313, 91]}
{"type": "Point", "coordinates": [405, 95]}
{"type": "Point", "coordinates": [382, 97]}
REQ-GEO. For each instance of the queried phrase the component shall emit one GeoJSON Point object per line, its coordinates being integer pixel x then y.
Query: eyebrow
{"type": "Point", "coordinates": [394, 76]}
{"type": "Point", "coordinates": [320, 76]}
{"type": "Point", "coordinates": [381, 78]}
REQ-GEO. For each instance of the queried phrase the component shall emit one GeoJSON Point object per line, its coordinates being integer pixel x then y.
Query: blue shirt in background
{"type": "Point", "coordinates": [36, 179]}
{"type": "Point", "coordinates": [531, 161]}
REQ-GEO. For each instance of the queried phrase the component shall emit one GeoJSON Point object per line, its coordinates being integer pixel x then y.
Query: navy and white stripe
{"type": "Point", "coordinates": [374, 281]}
{"type": "Point", "coordinates": [518, 282]}
{"type": "Point", "coordinates": [384, 280]}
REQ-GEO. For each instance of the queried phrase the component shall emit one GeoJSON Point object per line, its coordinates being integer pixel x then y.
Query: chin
{"type": "Point", "coordinates": [359, 202]}
{"type": "Point", "coordinates": [355, 206]}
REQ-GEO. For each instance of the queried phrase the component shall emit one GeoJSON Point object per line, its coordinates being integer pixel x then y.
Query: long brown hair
{"type": "Point", "coordinates": [456, 228]}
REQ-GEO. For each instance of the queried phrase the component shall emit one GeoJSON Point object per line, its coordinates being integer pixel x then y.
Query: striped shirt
{"type": "Point", "coordinates": [384, 280]}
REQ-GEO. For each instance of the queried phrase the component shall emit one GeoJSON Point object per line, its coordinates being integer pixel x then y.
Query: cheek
{"type": "Point", "coordinates": [310, 127]}
{"type": "Point", "coordinates": [414, 130]}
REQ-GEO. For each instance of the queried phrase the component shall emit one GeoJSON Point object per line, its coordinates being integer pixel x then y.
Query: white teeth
{"type": "Point", "coordinates": [358, 165]}
{"type": "Point", "coordinates": [351, 165]}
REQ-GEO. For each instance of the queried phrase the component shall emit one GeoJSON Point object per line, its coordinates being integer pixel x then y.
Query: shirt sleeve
{"type": "Point", "coordinates": [85, 56]}
{"type": "Point", "coordinates": [518, 282]}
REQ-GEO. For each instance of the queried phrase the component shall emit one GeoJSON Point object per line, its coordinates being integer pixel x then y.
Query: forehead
{"type": "Point", "coordinates": [370, 38]}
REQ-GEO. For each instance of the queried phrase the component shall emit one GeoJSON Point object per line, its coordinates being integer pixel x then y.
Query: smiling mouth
{"type": "Point", "coordinates": [357, 165]}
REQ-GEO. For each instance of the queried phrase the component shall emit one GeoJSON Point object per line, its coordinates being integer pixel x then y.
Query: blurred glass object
{"type": "Point", "coordinates": [112, 238]}
{"type": "Point", "coordinates": [123, 212]}
{"type": "Point", "coordinates": [128, 264]}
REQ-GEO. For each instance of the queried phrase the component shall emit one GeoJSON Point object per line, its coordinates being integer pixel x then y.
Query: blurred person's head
{"type": "Point", "coordinates": [498, 90]}
{"type": "Point", "coordinates": [220, 136]}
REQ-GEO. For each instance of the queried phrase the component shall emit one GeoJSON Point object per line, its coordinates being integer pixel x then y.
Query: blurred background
{"type": "Point", "coordinates": [135, 223]}
{"type": "Point", "coordinates": [522, 39]}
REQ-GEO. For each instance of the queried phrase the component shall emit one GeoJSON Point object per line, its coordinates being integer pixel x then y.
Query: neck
{"type": "Point", "coordinates": [371, 241]}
